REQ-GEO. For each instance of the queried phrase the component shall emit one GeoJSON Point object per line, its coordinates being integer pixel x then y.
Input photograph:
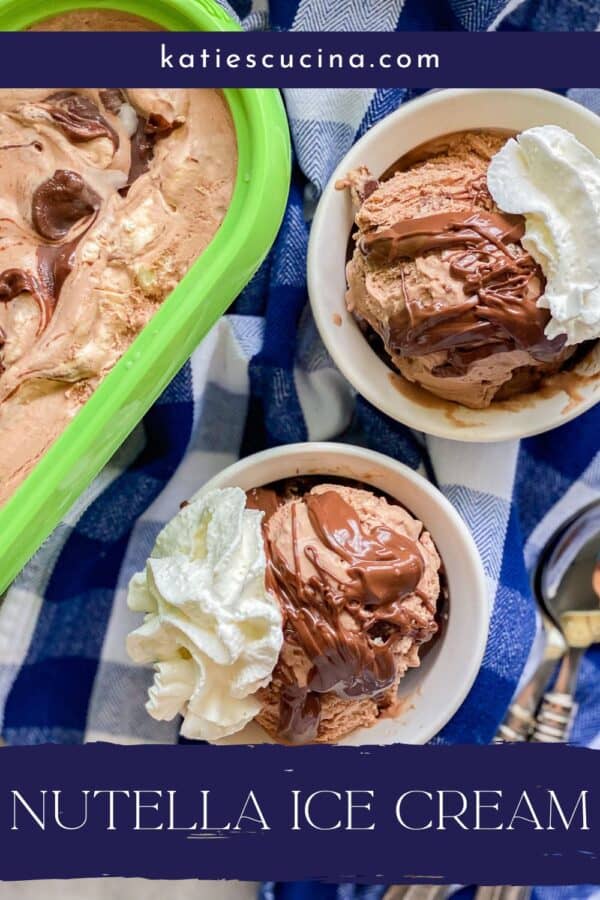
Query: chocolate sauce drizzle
{"type": "Point", "coordinates": [501, 287]}
{"type": "Point", "coordinates": [348, 630]}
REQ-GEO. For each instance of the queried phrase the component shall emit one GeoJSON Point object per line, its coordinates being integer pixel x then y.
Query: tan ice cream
{"type": "Point", "coordinates": [106, 198]}
{"type": "Point", "coordinates": [357, 578]}
{"type": "Point", "coordinates": [95, 20]}
{"type": "Point", "coordinates": [439, 273]}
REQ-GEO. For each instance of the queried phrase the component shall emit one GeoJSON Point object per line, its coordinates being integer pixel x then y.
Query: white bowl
{"type": "Point", "coordinates": [437, 688]}
{"type": "Point", "coordinates": [431, 116]}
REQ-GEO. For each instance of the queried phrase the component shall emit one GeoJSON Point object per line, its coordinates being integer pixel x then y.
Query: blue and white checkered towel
{"type": "Point", "coordinates": [260, 378]}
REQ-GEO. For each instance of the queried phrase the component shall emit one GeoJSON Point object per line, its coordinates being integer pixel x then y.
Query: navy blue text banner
{"type": "Point", "coordinates": [299, 59]}
{"type": "Point", "coordinates": [469, 814]}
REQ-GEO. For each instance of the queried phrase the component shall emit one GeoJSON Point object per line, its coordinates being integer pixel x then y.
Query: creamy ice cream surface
{"type": "Point", "coordinates": [440, 273]}
{"type": "Point", "coordinates": [357, 578]}
{"type": "Point", "coordinates": [106, 198]}
{"type": "Point", "coordinates": [94, 20]}
{"type": "Point", "coordinates": [211, 627]}
{"type": "Point", "coordinates": [549, 177]}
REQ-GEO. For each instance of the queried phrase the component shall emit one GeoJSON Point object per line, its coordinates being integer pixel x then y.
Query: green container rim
{"type": "Point", "coordinates": [211, 284]}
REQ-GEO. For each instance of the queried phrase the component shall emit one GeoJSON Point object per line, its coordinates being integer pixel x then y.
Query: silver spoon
{"type": "Point", "coordinates": [417, 892]}
{"type": "Point", "coordinates": [519, 721]}
{"type": "Point", "coordinates": [504, 892]}
{"type": "Point", "coordinates": [441, 891]}
{"type": "Point", "coordinates": [567, 586]}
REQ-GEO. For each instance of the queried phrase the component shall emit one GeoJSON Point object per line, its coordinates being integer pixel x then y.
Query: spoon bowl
{"type": "Point", "coordinates": [566, 580]}
{"type": "Point", "coordinates": [566, 585]}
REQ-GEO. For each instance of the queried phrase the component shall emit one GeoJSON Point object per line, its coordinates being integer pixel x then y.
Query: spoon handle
{"type": "Point", "coordinates": [519, 721]}
{"type": "Point", "coordinates": [503, 892]}
{"type": "Point", "coordinates": [417, 892]}
{"type": "Point", "coordinates": [557, 711]}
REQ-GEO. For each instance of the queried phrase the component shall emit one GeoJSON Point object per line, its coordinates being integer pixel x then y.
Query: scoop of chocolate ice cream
{"type": "Point", "coordinates": [357, 578]}
{"type": "Point", "coordinates": [439, 273]}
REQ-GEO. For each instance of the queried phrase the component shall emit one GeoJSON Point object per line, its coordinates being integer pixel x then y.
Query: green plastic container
{"type": "Point", "coordinates": [168, 340]}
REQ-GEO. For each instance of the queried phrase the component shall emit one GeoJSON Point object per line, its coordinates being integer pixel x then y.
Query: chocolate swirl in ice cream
{"type": "Point", "coordinates": [94, 239]}
{"type": "Point", "coordinates": [501, 288]}
{"type": "Point", "coordinates": [148, 130]}
{"type": "Point", "coordinates": [61, 201]}
{"type": "Point", "coordinates": [79, 118]}
{"type": "Point", "coordinates": [57, 205]}
{"type": "Point", "coordinates": [342, 579]}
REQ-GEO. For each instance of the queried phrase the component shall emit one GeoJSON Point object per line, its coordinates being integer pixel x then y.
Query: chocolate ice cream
{"type": "Point", "coordinates": [106, 198]}
{"type": "Point", "coordinates": [358, 581]}
{"type": "Point", "coordinates": [440, 275]}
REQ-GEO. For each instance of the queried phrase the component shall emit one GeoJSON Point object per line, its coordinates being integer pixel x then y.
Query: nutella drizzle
{"type": "Point", "coordinates": [348, 630]}
{"type": "Point", "coordinates": [502, 285]}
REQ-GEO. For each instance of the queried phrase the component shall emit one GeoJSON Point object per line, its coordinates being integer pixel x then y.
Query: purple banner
{"type": "Point", "coordinates": [299, 59]}
{"type": "Point", "coordinates": [485, 815]}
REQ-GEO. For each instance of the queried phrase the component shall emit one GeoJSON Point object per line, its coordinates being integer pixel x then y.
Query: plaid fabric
{"type": "Point", "coordinates": [261, 378]}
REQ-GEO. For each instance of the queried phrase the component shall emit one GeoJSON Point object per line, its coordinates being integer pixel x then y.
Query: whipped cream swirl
{"type": "Point", "coordinates": [548, 176]}
{"type": "Point", "coordinates": [212, 629]}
